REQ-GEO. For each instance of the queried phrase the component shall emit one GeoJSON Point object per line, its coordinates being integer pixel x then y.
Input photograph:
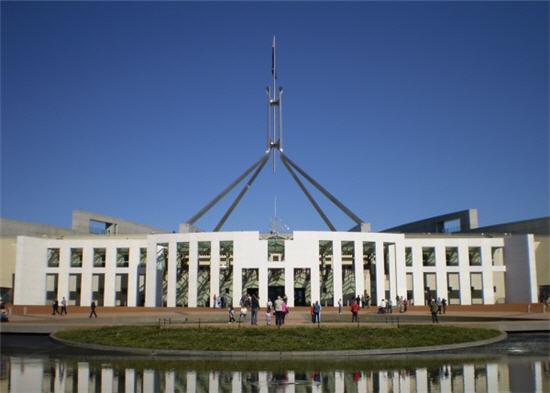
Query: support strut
{"type": "Point", "coordinates": [243, 191]}
{"type": "Point", "coordinates": [327, 194]}
{"type": "Point", "coordinates": [209, 205]}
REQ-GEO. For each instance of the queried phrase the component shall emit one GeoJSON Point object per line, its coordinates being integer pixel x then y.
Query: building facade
{"type": "Point", "coordinates": [189, 269]}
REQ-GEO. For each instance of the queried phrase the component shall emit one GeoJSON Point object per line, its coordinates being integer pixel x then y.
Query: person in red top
{"type": "Point", "coordinates": [354, 311]}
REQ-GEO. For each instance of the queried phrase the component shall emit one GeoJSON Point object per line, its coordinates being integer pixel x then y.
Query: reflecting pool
{"type": "Point", "coordinates": [514, 366]}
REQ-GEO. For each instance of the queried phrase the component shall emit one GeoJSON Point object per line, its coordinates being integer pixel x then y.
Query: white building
{"type": "Point", "coordinates": [188, 269]}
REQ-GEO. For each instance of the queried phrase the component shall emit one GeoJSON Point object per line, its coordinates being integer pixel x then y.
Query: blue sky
{"type": "Point", "coordinates": [145, 111]}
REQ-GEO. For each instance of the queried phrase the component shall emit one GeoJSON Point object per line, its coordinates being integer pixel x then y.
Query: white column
{"type": "Point", "coordinates": [130, 379]}
{"type": "Point", "coordinates": [170, 382]}
{"type": "Point", "coordinates": [151, 275]}
{"type": "Point", "coordinates": [149, 381]}
{"type": "Point", "coordinates": [236, 383]}
{"type": "Point", "coordinates": [337, 270]}
{"type": "Point", "coordinates": [86, 277]}
{"type": "Point", "coordinates": [464, 268]}
{"type": "Point", "coordinates": [315, 280]}
{"type": "Point", "coordinates": [61, 378]}
{"type": "Point", "coordinates": [422, 380]}
{"type": "Point", "coordinates": [358, 265]}
{"type": "Point", "coordinates": [441, 272]}
{"type": "Point", "coordinates": [487, 266]}
{"type": "Point", "coordinates": [383, 381]}
{"type": "Point", "coordinates": [538, 377]}
{"type": "Point", "coordinates": [237, 283]}
{"type": "Point", "coordinates": [362, 383]}
{"type": "Point", "coordinates": [83, 377]}
{"type": "Point", "coordinates": [395, 382]}
{"type": "Point", "coordinates": [106, 380]}
{"type": "Point", "coordinates": [262, 382]}
{"type": "Point", "coordinates": [214, 271]}
{"type": "Point", "coordinates": [133, 264]}
{"type": "Point", "coordinates": [213, 382]}
{"type": "Point", "coordinates": [418, 276]}
{"type": "Point", "coordinates": [404, 382]}
{"type": "Point", "coordinates": [469, 378]}
{"type": "Point", "coordinates": [400, 273]}
{"type": "Point", "coordinates": [380, 279]}
{"type": "Point", "coordinates": [63, 276]}
{"type": "Point", "coordinates": [492, 378]}
{"type": "Point", "coordinates": [110, 266]}
{"type": "Point", "coordinates": [193, 273]}
{"type": "Point", "coordinates": [263, 274]}
{"type": "Point", "coordinates": [291, 386]}
{"type": "Point", "coordinates": [445, 381]}
{"type": "Point", "coordinates": [339, 385]}
{"type": "Point", "coordinates": [289, 285]}
{"type": "Point", "coordinates": [191, 381]}
{"type": "Point", "coordinates": [392, 273]}
{"type": "Point", "coordinates": [171, 276]}
{"type": "Point", "coordinates": [25, 377]}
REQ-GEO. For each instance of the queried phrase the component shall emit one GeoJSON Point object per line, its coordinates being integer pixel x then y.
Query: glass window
{"type": "Point", "coordinates": [474, 255]}
{"type": "Point", "coordinates": [122, 257]}
{"type": "Point", "coordinates": [100, 257]}
{"type": "Point", "coordinates": [451, 256]}
{"type": "Point", "coordinates": [408, 256]}
{"type": "Point", "coordinates": [76, 257]}
{"type": "Point", "coordinates": [53, 257]}
{"type": "Point", "coordinates": [428, 256]}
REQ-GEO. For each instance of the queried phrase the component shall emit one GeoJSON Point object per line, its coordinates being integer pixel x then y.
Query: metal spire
{"type": "Point", "coordinates": [275, 108]}
{"type": "Point", "coordinates": [274, 145]}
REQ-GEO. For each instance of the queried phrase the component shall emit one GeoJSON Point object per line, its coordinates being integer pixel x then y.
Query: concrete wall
{"type": "Point", "coordinates": [81, 224]}
{"type": "Point", "coordinates": [250, 252]}
{"type": "Point", "coordinates": [468, 220]}
{"type": "Point", "coordinates": [521, 277]}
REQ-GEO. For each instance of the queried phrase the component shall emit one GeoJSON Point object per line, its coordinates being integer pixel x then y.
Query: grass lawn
{"type": "Point", "coordinates": [272, 339]}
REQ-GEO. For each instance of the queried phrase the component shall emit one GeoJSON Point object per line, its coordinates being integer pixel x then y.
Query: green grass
{"type": "Point", "coordinates": [271, 339]}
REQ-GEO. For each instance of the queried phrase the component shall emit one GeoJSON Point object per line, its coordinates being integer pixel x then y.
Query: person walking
{"type": "Point", "coordinates": [254, 306]}
{"type": "Point", "coordinates": [339, 306]}
{"type": "Point", "coordinates": [55, 307]}
{"type": "Point", "coordinates": [63, 306]}
{"type": "Point", "coordinates": [268, 313]}
{"type": "Point", "coordinates": [355, 311]}
{"type": "Point", "coordinates": [317, 312]}
{"type": "Point", "coordinates": [92, 307]}
{"type": "Point", "coordinates": [434, 309]}
{"type": "Point", "coordinates": [231, 312]}
{"type": "Point", "coordinates": [444, 305]}
{"type": "Point", "coordinates": [279, 311]}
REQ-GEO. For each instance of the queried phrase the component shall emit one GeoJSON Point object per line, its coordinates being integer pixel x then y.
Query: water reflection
{"type": "Point", "coordinates": [28, 374]}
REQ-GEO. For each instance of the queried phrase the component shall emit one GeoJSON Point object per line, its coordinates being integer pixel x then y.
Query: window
{"type": "Point", "coordinates": [122, 257]}
{"type": "Point", "coordinates": [51, 288]}
{"type": "Point", "coordinates": [408, 256]}
{"type": "Point", "coordinates": [474, 255]}
{"type": "Point", "coordinates": [451, 256]}
{"type": "Point", "coordinates": [476, 284]}
{"type": "Point", "coordinates": [276, 249]}
{"type": "Point", "coordinates": [53, 257]}
{"type": "Point", "coordinates": [100, 257]}
{"type": "Point", "coordinates": [142, 256]}
{"type": "Point", "coordinates": [428, 256]}
{"type": "Point", "coordinates": [76, 257]}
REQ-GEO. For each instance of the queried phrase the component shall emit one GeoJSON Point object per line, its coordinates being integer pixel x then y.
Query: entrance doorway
{"type": "Point", "coordinates": [274, 291]}
{"type": "Point", "coordinates": [300, 297]}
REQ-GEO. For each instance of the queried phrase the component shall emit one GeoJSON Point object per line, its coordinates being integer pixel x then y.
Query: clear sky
{"type": "Point", "coordinates": [145, 111]}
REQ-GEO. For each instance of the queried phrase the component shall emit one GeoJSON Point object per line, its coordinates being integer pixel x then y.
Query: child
{"type": "Point", "coordinates": [268, 315]}
{"type": "Point", "coordinates": [231, 314]}
{"type": "Point", "coordinates": [242, 315]}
